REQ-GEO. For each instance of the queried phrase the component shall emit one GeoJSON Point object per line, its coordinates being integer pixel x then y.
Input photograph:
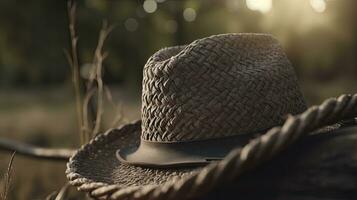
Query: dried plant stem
{"type": "Point", "coordinates": [96, 75]}
{"type": "Point", "coordinates": [117, 107]}
{"type": "Point", "coordinates": [51, 196]}
{"type": "Point", "coordinates": [94, 93]}
{"type": "Point", "coordinates": [99, 80]}
{"type": "Point", "coordinates": [86, 125]}
{"type": "Point", "coordinates": [7, 178]}
{"type": "Point", "coordinates": [74, 62]}
{"type": "Point", "coordinates": [61, 195]}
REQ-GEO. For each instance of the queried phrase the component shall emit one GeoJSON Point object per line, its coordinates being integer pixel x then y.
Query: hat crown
{"type": "Point", "coordinates": [219, 86]}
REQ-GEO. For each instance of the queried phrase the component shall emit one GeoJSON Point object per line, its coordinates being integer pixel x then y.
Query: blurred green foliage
{"type": "Point", "coordinates": [33, 35]}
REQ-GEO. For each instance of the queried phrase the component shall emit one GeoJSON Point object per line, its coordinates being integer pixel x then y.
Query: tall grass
{"type": "Point", "coordinates": [7, 179]}
{"type": "Point", "coordinates": [72, 58]}
{"type": "Point", "coordinates": [90, 93]}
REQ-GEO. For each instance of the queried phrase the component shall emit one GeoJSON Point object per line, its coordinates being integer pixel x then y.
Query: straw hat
{"type": "Point", "coordinates": [199, 102]}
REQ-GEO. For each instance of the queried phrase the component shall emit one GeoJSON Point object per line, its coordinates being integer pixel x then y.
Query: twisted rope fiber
{"type": "Point", "coordinates": [237, 162]}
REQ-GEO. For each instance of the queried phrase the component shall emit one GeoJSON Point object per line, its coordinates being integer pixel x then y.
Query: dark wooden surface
{"type": "Point", "coordinates": [318, 167]}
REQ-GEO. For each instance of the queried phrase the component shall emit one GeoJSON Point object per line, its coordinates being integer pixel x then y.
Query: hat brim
{"type": "Point", "coordinates": [97, 161]}
{"type": "Point", "coordinates": [178, 154]}
{"type": "Point", "coordinates": [101, 157]}
{"type": "Point", "coordinates": [95, 164]}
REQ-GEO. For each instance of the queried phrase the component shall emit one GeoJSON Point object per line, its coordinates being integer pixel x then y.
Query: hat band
{"type": "Point", "coordinates": [175, 154]}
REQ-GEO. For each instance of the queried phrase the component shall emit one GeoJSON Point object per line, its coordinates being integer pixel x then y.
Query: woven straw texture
{"type": "Point", "coordinates": [223, 85]}
{"type": "Point", "coordinates": [218, 86]}
{"type": "Point", "coordinates": [101, 156]}
{"type": "Point", "coordinates": [94, 168]}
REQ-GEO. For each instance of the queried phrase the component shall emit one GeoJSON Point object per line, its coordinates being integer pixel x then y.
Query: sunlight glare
{"type": "Point", "coordinates": [318, 5]}
{"type": "Point", "coordinates": [263, 6]}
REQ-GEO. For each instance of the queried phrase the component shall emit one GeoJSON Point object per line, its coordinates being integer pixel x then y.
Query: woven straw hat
{"type": "Point", "coordinates": [199, 102]}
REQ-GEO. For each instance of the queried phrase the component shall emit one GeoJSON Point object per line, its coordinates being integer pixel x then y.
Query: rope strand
{"type": "Point", "coordinates": [238, 161]}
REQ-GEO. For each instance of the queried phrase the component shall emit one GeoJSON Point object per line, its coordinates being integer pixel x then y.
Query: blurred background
{"type": "Point", "coordinates": [37, 101]}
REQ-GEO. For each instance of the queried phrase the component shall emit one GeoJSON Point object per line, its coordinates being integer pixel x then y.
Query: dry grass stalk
{"type": "Point", "coordinates": [95, 88]}
{"type": "Point", "coordinates": [86, 121]}
{"type": "Point", "coordinates": [61, 195]}
{"type": "Point", "coordinates": [98, 59]}
{"type": "Point", "coordinates": [117, 107]}
{"type": "Point", "coordinates": [7, 178]}
{"type": "Point", "coordinates": [52, 196]}
{"type": "Point", "coordinates": [74, 63]}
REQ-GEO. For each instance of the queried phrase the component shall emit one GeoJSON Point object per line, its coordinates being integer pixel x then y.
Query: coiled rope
{"type": "Point", "coordinates": [236, 162]}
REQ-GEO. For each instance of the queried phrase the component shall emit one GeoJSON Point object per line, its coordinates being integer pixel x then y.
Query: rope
{"type": "Point", "coordinates": [237, 162]}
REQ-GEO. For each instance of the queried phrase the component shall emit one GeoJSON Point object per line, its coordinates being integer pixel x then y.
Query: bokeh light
{"type": "Point", "coordinates": [150, 6]}
{"type": "Point", "coordinates": [263, 6]}
{"type": "Point", "coordinates": [189, 14]}
{"type": "Point", "coordinates": [131, 24]}
{"type": "Point", "coordinates": [318, 5]}
{"type": "Point", "coordinates": [85, 70]}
